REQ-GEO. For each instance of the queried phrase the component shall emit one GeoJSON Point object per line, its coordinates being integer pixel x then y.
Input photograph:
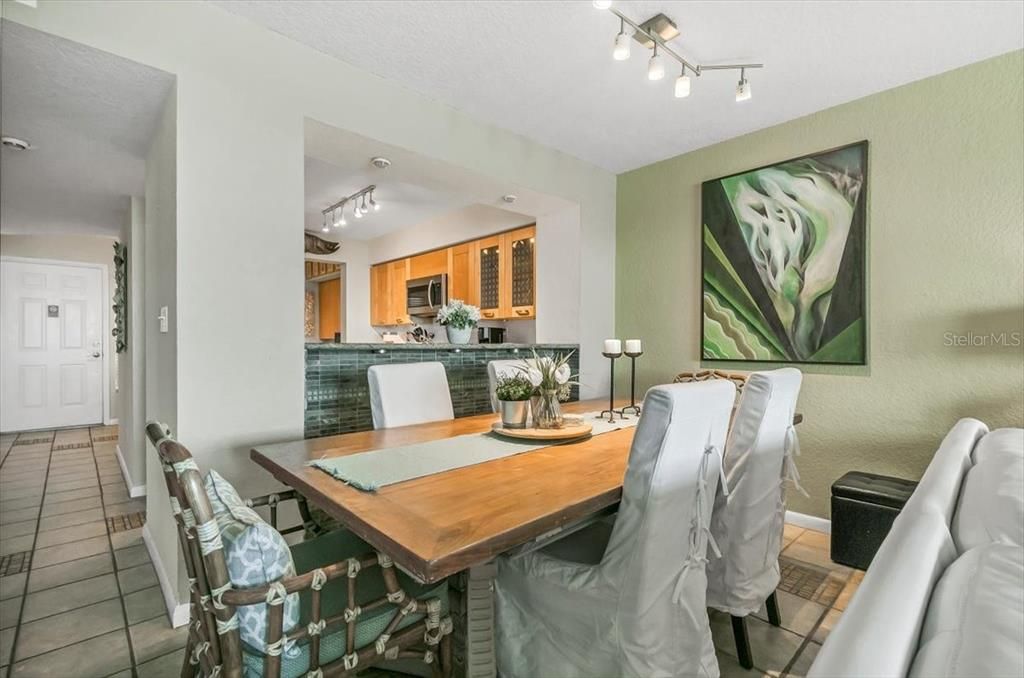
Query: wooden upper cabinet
{"type": "Point", "coordinates": [398, 274]}
{"type": "Point", "coordinates": [460, 274]}
{"type": "Point", "coordinates": [330, 308]}
{"type": "Point", "coordinates": [519, 288]}
{"type": "Point", "coordinates": [488, 277]}
{"type": "Point", "coordinates": [428, 264]}
{"type": "Point", "coordinates": [380, 295]}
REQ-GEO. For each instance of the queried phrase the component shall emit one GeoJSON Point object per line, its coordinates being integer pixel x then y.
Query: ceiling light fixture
{"type": "Point", "coordinates": [325, 227]}
{"type": "Point", "coordinates": [602, 4]}
{"type": "Point", "coordinates": [622, 40]}
{"type": "Point", "coordinates": [655, 34]}
{"type": "Point", "coordinates": [656, 66]}
{"type": "Point", "coordinates": [361, 201]}
{"type": "Point", "coordinates": [743, 92]}
{"type": "Point", "coordinates": [683, 85]}
{"type": "Point", "coordinates": [510, 198]}
{"type": "Point", "coordinates": [380, 162]}
{"type": "Point", "coordinates": [16, 143]}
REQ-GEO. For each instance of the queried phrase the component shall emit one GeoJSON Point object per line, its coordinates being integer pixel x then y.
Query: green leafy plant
{"type": "Point", "coordinates": [458, 314]}
{"type": "Point", "coordinates": [513, 387]}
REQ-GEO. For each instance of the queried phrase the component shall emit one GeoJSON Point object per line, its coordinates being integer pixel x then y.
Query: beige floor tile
{"type": "Point", "coordinates": [847, 593]}
{"type": "Point", "coordinates": [16, 544]}
{"type": "Point", "coordinates": [771, 647]}
{"type": "Point", "coordinates": [13, 585]}
{"type": "Point", "coordinates": [803, 663]}
{"type": "Point", "coordinates": [808, 553]}
{"type": "Point", "coordinates": [68, 519]}
{"type": "Point", "coordinates": [65, 573]}
{"type": "Point", "coordinates": [798, 614]}
{"type": "Point", "coordinates": [729, 667]}
{"type": "Point", "coordinates": [18, 504]}
{"type": "Point", "coordinates": [131, 556]}
{"type": "Point", "coordinates": [6, 645]}
{"type": "Point", "coordinates": [22, 492]}
{"type": "Point", "coordinates": [64, 535]}
{"type": "Point", "coordinates": [9, 611]}
{"type": "Point", "coordinates": [69, 597]}
{"type": "Point", "coordinates": [122, 540]}
{"type": "Point", "coordinates": [71, 506]}
{"type": "Point", "coordinates": [51, 633]}
{"type": "Point", "coordinates": [131, 506]}
{"type": "Point", "coordinates": [93, 658]}
{"type": "Point", "coordinates": [165, 666]}
{"type": "Point", "coordinates": [18, 529]}
{"type": "Point", "coordinates": [68, 485]}
{"type": "Point", "coordinates": [826, 626]}
{"type": "Point", "coordinates": [73, 551]}
{"type": "Point", "coordinates": [155, 637]}
{"type": "Point", "coordinates": [18, 515]}
{"type": "Point", "coordinates": [145, 604]}
{"type": "Point", "coordinates": [137, 578]}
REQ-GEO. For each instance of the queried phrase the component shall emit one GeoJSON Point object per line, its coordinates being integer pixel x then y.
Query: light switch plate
{"type": "Point", "coordinates": [163, 319]}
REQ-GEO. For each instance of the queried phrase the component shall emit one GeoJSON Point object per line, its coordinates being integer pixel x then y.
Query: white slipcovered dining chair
{"type": "Point", "coordinates": [404, 394]}
{"type": "Point", "coordinates": [747, 522]}
{"type": "Point", "coordinates": [626, 598]}
{"type": "Point", "coordinates": [503, 368]}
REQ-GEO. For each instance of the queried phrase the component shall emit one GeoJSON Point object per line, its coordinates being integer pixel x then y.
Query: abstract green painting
{"type": "Point", "coordinates": [783, 261]}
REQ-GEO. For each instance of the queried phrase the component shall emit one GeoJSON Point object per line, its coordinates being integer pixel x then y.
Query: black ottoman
{"type": "Point", "coordinates": [864, 506]}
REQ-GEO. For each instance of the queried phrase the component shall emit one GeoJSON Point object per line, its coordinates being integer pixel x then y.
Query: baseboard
{"type": "Point", "coordinates": [113, 421]}
{"type": "Point", "coordinates": [178, 612]}
{"type": "Point", "coordinates": [133, 490]}
{"type": "Point", "coordinates": [809, 522]}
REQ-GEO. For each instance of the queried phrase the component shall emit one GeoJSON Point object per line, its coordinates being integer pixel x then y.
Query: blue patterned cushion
{"type": "Point", "coordinates": [256, 555]}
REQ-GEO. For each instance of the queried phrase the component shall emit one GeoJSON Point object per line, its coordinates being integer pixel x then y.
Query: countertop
{"type": "Point", "coordinates": [331, 346]}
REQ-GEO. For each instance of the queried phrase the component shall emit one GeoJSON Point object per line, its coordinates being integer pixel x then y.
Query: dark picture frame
{"type": "Point", "coordinates": [784, 261]}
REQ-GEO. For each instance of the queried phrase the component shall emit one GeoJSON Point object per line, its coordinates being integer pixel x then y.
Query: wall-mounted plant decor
{"type": "Point", "coordinates": [120, 330]}
{"type": "Point", "coordinates": [783, 261]}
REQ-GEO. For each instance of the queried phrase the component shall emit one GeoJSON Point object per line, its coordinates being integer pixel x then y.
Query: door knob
{"type": "Point", "coordinates": [96, 354]}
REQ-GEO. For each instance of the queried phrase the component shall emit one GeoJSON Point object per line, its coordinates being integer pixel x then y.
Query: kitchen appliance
{"type": "Point", "coordinates": [490, 335]}
{"type": "Point", "coordinates": [424, 297]}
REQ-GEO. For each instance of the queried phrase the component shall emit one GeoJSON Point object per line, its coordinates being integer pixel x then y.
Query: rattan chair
{"type": "Point", "coordinates": [737, 378]}
{"type": "Point", "coordinates": [356, 609]}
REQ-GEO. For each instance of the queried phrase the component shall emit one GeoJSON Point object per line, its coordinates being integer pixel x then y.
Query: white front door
{"type": "Point", "coordinates": [52, 345]}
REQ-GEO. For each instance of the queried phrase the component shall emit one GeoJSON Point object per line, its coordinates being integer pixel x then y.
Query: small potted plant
{"type": "Point", "coordinates": [552, 380]}
{"type": "Point", "coordinates": [513, 392]}
{"type": "Point", "coordinates": [459, 319]}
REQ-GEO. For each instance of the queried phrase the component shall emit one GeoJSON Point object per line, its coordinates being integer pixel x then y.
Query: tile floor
{"type": "Point", "coordinates": [79, 596]}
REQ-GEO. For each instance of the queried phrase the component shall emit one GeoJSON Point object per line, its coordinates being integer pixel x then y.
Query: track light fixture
{"type": "Point", "coordinates": [362, 202]}
{"type": "Point", "coordinates": [656, 66]}
{"type": "Point", "coordinates": [654, 34]}
{"type": "Point", "coordinates": [622, 40]}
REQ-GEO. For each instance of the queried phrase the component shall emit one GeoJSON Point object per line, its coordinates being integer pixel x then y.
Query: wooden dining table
{"type": "Point", "coordinates": [441, 524]}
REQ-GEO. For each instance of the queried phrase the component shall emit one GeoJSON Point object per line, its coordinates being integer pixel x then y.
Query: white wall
{"type": "Point", "coordinates": [242, 95]}
{"type": "Point", "coordinates": [132, 363]}
{"type": "Point", "coordinates": [89, 249]}
{"type": "Point", "coordinates": [161, 353]}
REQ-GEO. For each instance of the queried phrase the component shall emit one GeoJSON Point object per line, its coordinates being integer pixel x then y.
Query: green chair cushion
{"type": "Point", "coordinates": [320, 552]}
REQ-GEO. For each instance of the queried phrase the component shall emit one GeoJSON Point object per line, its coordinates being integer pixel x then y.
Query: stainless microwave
{"type": "Point", "coordinates": [424, 297]}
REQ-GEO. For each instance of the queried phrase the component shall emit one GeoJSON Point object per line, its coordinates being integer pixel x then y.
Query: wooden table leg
{"type": "Point", "coordinates": [474, 623]}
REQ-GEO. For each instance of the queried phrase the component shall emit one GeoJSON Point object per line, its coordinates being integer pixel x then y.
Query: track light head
{"type": "Point", "coordinates": [743, 92]}
{"type": "Point", "coordinates": [656, 66]}
{"type": "Point", "coordinates": [622, 41]}
{"type": "Point", "coordinates": [683, 85]}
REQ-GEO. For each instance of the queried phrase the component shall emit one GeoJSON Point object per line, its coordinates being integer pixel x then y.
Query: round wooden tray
{"type": "Point", "coordinates": [564, 433]}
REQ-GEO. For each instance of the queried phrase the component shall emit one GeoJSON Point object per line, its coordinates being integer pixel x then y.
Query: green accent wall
{"type": "Point", "coordinates": [945, 257]}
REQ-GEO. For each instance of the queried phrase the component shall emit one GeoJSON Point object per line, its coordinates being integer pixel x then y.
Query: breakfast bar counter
{"type": "Point", "coordinates": [338, 396]}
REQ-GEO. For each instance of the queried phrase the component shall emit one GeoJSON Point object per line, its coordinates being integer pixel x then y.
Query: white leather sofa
{"type": "Point", "coordinates": [944, 595]}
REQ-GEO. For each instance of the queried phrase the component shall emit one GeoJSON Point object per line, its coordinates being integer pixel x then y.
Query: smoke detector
{"type": "Point", "coordinates": [510, 198]}
{"type": "Point", "coordinates": [15, 143]}
{"type": "Point", "coordinates": [380, 163]}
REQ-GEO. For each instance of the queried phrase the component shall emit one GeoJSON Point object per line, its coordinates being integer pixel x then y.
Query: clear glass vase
{"type": "Point", "coordinates": [547, 411]}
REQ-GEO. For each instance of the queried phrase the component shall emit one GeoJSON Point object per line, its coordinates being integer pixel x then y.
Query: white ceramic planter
{"type": "Point", "coordinates": [457, 336]}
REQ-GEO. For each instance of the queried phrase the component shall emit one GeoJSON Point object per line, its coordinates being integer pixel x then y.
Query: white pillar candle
{"type": "Point", "coordinates": [633, 346]}
{"type": "Point", "coordinates": [612, 346]}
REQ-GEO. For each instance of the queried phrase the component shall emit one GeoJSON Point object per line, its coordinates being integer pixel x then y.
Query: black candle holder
{"type": "Point", "coordinates": [632, 384]}
{"type": "Point", "coordinates": [611, 411]}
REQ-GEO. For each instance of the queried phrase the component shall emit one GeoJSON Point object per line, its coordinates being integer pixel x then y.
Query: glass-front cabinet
{"type": "Point", "coordinates": [521, 274]}
{"type": "Point", "coordinates": [489, 275]}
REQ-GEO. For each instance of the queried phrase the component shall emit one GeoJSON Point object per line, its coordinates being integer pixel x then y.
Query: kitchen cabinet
{"type": "Point", "coordinates": [428, 264]}
{"type": "Point", "coordinates": [398, 275]}
{"type": "Point", "coordinates": [460, 258]}
{"type": "Point", "coordinates": [329, 294]}
{"type": "Point", "coordinates": [489, 267]}
{"type": "Point", "coordinates": [519, 288]}
{"type": "Point", "coordinates": [380, 295]}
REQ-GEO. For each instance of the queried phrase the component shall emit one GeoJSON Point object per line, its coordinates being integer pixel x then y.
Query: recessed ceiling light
{"type": "Point", "coordinates": [16, 143]}
{"type": "Point", "coordinates": [380, 163]}
{"type": "Point", "coordinates": [510, 198]}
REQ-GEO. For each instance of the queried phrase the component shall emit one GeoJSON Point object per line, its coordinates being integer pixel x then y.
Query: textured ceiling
{"type": "Point", "coordinates": [544, 69]}
{"type": "Point", "coordinates": [90, 116]}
